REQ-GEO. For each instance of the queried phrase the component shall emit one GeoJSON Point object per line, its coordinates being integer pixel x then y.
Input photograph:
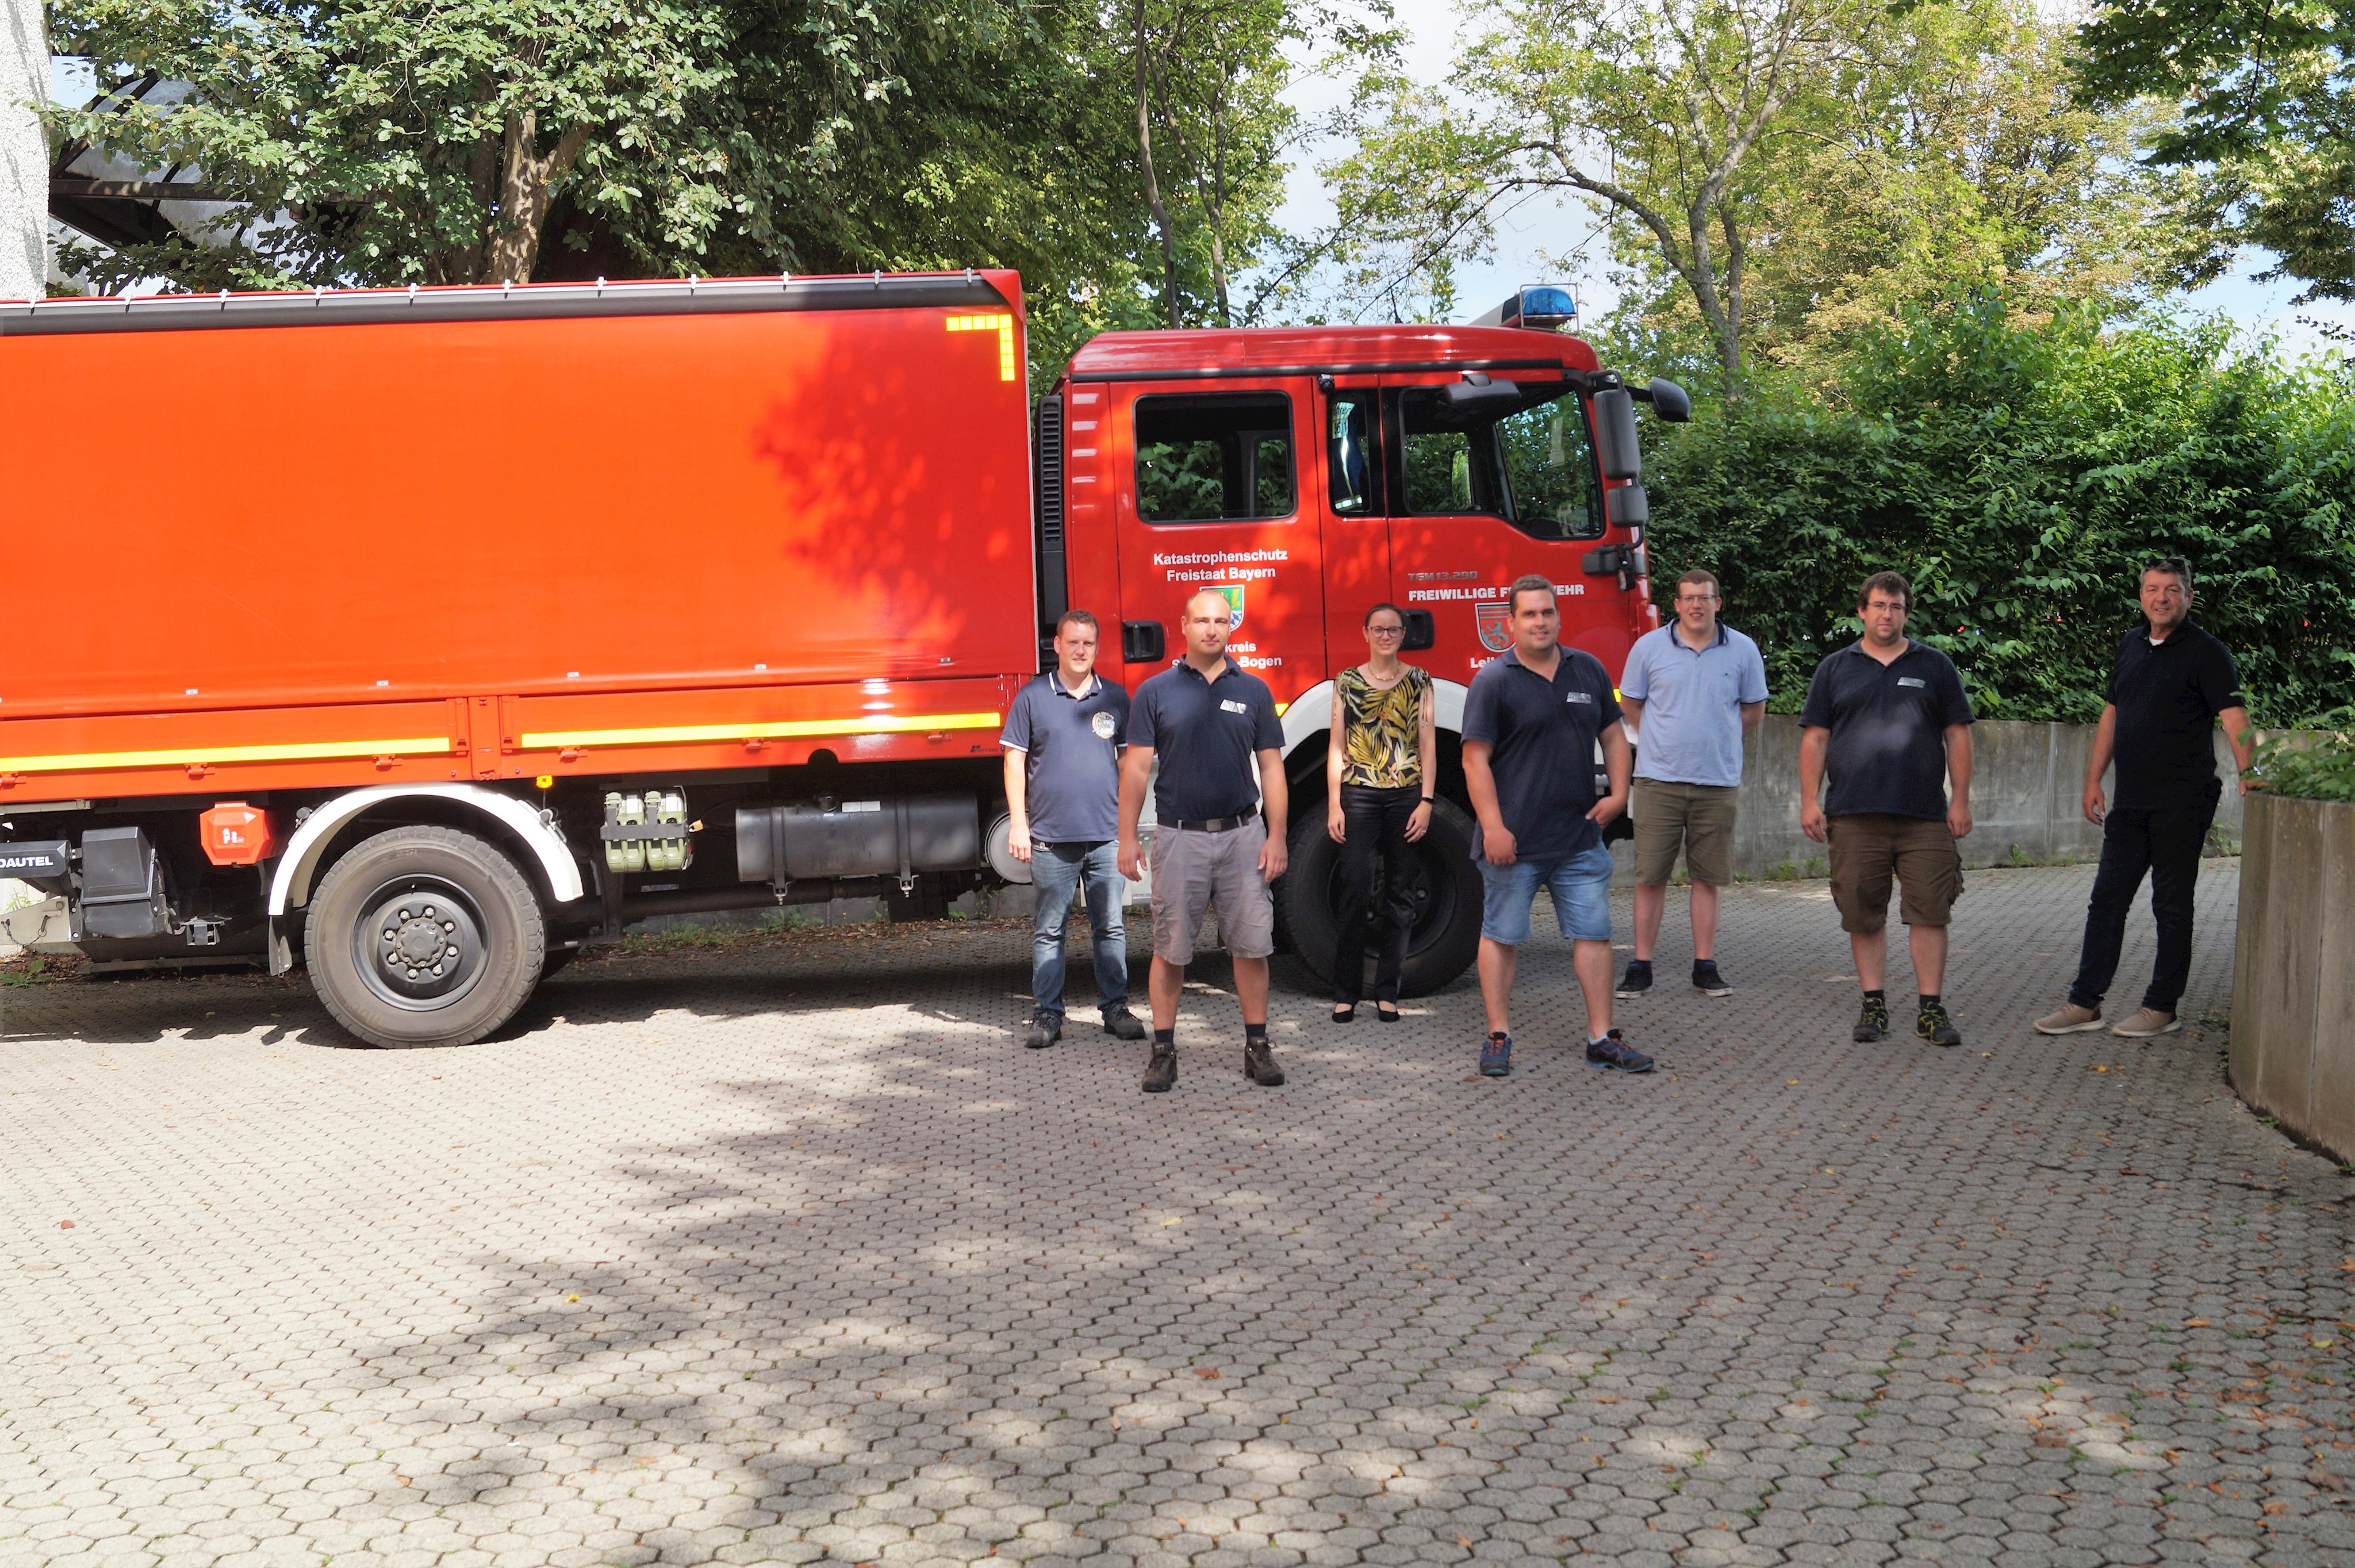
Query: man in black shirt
{"type": "Point", "coordinates": [2172, 685]}
{"type": "Point", "coordinates": [1888, 717]}
{"type": "Point", "coordinates": [1218, 809]}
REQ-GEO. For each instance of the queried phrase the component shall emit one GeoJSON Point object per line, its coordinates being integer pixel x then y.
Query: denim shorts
{"type": "Point", "coordinates": [1581, 886]}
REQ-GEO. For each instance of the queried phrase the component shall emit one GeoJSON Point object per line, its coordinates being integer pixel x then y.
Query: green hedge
{"type": "Point", "coordinates": [2018, 476]}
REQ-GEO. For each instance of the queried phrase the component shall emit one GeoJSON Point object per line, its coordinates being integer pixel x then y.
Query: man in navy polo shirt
{"type": "Point", "coordinates": [1532, 719]}
{"type": "Point", "coordinates": [1887, 716]}
{"type": "Point", "coordinates": [1217, 838]}
{"type": "Point", "coordinates": [1063, 740]}
{"type": "Point", "coordinates": [2173, 685]}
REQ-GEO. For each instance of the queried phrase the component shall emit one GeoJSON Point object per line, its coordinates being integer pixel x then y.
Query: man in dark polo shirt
{"type": "Point", "coordinates": [1887, 715]}
{"type": "Point", "coordinates": [1218, 838]}
{"type": "Point", "coordinates": [1532, 719]}
{"type": "Point", "coordinates": [2173, 684]}
{"type": "Point", "coordinates": [1063, 740]}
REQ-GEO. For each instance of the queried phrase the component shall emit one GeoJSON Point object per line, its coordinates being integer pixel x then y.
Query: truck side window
{"type": "Point", "coordinates": [1450, 467]}
{"type": "Point", "coordinates": [1214, 457]}
{"type": "Point", "coordinates": [1349, 455]}
{"type": "Point", "coordinates": [1550, 465]}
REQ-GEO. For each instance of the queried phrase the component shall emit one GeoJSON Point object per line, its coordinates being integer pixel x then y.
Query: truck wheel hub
{"type": "Point", "coordinates": [422, 944]}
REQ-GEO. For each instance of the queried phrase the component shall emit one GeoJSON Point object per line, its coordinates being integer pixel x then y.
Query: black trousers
{"type": "Point", "coordinates": [1375, 821]}
{"type": "Point", "coordinates": [2165, 844]}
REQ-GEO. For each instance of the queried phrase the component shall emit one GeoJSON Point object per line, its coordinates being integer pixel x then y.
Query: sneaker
{"type": "Point", "coordinates": [2146, 1024]}
{"type": "Point", "coordinates": [2071, 1019]}
{"type": "Point", "coordinates": [1637, 979]}
{"type": "Point", "coordinates": [1497, 1056]}
{"type": "Point", "coordinates": [1162, 1070]}
{"type": "Point", "coordinates": [1122, 1024]}
{"type": "Point", "coordinates": [1615, 1053]}
{"type": "Point", "coordinates": [1871, 1021]}
{"type": "Point", "coordinates": [1932, 1025]}
{"type": "Point", "coordinates": [1259, 1064]}
{"type": "Point", "coordinates": [1045, 1030]}
{"type": "Point", "coordinates": [1708, 981]}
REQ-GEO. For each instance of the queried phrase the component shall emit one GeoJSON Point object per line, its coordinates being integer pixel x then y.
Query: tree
{"type": "Point", "coordinates": [2267, 97]}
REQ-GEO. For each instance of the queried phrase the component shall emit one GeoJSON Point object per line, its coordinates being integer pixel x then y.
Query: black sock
{"type": "Point", "coordinates": [1165, 1036]}
{"type": "Point", "coordinates": [1929, 998]}
{"type": "Point", "coordinates": [1255, 1032]}
{"type": "Point", "coordinates": [1876, 996]}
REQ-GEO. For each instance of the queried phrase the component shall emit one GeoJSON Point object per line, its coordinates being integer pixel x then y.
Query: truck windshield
{"type": "Point", "coordinates": [1534, 468]}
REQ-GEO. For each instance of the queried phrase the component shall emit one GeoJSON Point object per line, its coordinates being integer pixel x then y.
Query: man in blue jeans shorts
{"type": "Point", "coordinates": [1063, 738]}
{"type": "Point", "coordinates": [1531, 721]}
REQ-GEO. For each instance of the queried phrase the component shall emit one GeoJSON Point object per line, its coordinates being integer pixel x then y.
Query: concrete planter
{"type": "Point", "coordinates": [2294, 968]}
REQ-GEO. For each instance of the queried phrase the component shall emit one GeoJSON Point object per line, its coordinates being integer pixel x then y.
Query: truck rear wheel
{"type": "Point", "coordinates": [1445, 937]}
{"type": "Point", "coordinates": [423, 936]}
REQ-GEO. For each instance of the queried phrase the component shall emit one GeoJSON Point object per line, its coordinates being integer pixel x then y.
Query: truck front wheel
{"type": "Point", "coordinates": [1445, 936]}
{"type": "Point", "coordinates": [423, 936]}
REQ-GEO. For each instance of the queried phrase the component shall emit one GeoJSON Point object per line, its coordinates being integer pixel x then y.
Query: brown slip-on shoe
{"type": "Point", "coordinates": [2147, 1023]}
{"type": "Point", "coordinates": [2071, 1019]}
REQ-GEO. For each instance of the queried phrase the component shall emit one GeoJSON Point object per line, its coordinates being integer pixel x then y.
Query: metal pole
{"type": "Point", "coordinates": [23, 149]}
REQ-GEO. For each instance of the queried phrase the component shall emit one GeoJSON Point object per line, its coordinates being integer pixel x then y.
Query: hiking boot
{"type": "Point", "coordinates": [1932, 1025]}
{"type": "Point", "coordinates": [2071, 1019]}
{"type": "Point", "coordinates": [1708, 981]}
{"type": "Point", "coordinates": [1162, 1070]}
{"type": "Point", "coordinates": [1637, 980]}
{"type": "Point", "coordinates": [1259, 1064]}
{"type": "Point", "coordinates": [1871, 1022]}
{"type": "Point", "coordinates": [2146, 1024]}
{"type": "Point", "coordinates": [1497, 1056]}
{"type": "Point", "coordinates": [1615, 1053]}
{"type": "Point", "coordinates": [1122, 1024]}
{"type": "Point", "coordinates": [1045, 1030]}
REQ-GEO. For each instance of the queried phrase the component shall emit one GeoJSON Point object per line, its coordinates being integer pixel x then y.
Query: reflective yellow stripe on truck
{"type": "Point", "coordinates": [213, 756]}
{"type": "Point", "coordinates": [873, 724]}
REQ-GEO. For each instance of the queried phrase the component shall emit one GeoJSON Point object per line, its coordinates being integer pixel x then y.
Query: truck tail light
{"type": "Point", "coordinates": [236, 834]}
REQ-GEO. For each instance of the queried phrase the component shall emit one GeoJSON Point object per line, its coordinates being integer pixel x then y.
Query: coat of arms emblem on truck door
{"type": "Point", "coordinates": [1233, 593]}
{"type": "Point", "coordinates": [1494, 619]}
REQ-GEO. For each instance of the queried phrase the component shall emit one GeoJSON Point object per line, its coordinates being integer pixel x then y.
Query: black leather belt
{"type": "Point", "coordinates": [1219, 824]}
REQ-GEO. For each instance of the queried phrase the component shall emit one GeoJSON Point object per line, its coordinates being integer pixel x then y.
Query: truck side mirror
{"type": "Point", "coordinates": [1615, 434]}
{"type": "Point", "coordinates": [1668, 401]}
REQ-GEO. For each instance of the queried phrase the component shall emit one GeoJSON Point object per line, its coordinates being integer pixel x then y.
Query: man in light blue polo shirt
{"type": "Point", "coordinates": [1063, 739]}
{"type": "Point", "coordinates": [1691, 690]}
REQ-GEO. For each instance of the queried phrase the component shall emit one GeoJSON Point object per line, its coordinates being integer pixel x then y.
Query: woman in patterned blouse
{"type": "Point", "coordinates": [1380, 768]}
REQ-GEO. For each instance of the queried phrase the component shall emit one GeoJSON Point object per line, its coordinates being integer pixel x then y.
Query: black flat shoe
{"type": "Point", "coordinates": [1392, 1017]}
{"type": "Point", "coordinates": [1342, 1015]}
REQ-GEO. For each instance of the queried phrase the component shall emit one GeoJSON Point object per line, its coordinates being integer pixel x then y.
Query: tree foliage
{"type": "Point", "coordinates": [2019, 474]}
{"type": "Point", "coordinates": [2267, 96]}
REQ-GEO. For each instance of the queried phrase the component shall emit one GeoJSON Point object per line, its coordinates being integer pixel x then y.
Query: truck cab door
{"type": "Point", "coordinates": [1210, 486]}
{"type": "Point", "coordinates": [1476, 503]}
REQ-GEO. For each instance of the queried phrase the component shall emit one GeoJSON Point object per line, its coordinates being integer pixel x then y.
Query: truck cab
{"type": "Point", "coordinates": [1310, 474]}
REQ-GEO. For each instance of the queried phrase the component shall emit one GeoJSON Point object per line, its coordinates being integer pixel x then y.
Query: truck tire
{"type": "Point", "coordinates": [1447, 934]}
{"type": "Point", "coordinates": [423, 936]}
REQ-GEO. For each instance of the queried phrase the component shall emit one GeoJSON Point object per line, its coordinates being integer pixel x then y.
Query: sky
{"type": "Point", "coordinates": [1533, 243]}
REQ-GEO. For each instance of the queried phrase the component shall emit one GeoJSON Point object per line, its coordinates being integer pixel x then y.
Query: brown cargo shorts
{"type": "Point", "coordinates": [1192, 873]}
{"type": "Point", "coordinates": [1869, 848]}
{"type": "Point", "coordinates": [1697, 818]}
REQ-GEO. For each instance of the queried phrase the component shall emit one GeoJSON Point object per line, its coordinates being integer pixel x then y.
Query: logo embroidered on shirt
{"type": "Point", "coordinates": [1912, 680]}
{"type": "Point", "coordinates": [1103, 724]}
{"type": "Point", "coordinates": [1231, 706]}
{"type": "Point", "coordinates": [1585, 696]}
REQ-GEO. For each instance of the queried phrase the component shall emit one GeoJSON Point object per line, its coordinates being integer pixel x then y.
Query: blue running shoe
{"type": "Point", "coordinates": [1497, 1056]}
{"type": "Point", "coordinates": [1615, 1053]}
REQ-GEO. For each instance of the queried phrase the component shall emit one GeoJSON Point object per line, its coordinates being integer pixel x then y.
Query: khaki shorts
{"type": "Point", "coordinates": [1193, 871]}
{"type": "Point", "coordinates": [1868, 850]}
{"type": "Point", "coordinates": [1698, 819]}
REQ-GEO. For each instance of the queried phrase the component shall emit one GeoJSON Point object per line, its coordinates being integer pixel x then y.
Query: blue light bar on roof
{"type": "Point", "coordinates": [1542, 307]}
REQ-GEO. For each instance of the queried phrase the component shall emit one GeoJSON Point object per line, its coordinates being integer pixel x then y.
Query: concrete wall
{"type": "Point", "coordinates": [2293, 1052]}
{"type": "Point", "coordinates": [2025, 785]}
{"type": "Point", "coordinates": [23, 149]}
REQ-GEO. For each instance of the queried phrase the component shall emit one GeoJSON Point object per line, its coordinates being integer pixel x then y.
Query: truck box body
{"type": "Point", "coordinates": [463, 546]}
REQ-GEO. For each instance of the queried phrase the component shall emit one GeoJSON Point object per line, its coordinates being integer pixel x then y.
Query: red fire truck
{"type": "Point", "coordinates": [478, 623]}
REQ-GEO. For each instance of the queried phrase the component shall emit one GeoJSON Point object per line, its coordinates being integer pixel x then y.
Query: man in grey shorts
{"type": "Point", "coordinates": [1218, 839]}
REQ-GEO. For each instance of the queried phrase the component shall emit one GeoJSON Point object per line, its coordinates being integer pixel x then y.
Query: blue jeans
{"type": "Point", "coordinates": [1581, 886]}
{"type": "Point", "coordinates": [1056, 871]}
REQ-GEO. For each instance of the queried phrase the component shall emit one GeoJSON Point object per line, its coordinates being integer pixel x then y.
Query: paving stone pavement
{"type": "Point", "coordinates": [786, 1251]}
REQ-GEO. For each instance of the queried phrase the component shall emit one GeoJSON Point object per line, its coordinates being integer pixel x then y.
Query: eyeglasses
{"type": "Point", "coordinates": [1386, 631]}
